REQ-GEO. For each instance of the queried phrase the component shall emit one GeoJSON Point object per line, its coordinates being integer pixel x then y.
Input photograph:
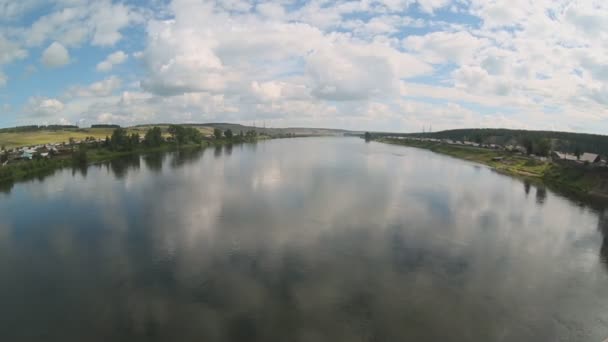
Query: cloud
{"type": "Point", "coordinates": [212, 52]}
{"type": "Point", "coordinates": [342, 75]}
{"type": "Point", "coordinates": [441, 46]}
{"type": "Point", "coordinates": [9, 52]}
{"type": "Point", "coordinates": [271, 10]}
{"type": "Point", "coordinates": [105, 87]}
{"type": "Point", "coordinates": [73, 23]}
{"type": "Point", "coordinates": [11, 10]}
{"type": "Point", "coordinates": [42, 107]}
{"type": "Point", "coordinates": [109, 19]}
{"type": "Point", "coordinates": [55, 56]}
{"type": "Point", "coordinates": [389, 64]}
{"type": "Point", "coordinates": [113, 59]}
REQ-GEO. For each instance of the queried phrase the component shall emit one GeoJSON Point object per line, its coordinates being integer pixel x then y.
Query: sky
{"type": "Point", "coordinates": [390, 65]}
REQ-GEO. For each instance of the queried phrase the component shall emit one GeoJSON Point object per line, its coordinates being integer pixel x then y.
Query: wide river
{"type": "Point", "coordinates": [311, 239]}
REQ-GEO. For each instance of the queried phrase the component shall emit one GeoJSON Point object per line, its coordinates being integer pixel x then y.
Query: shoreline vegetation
{"type": "Point", "coordinates": [122, 142]}
{"type": "Point", "coordinates": [581, 182]}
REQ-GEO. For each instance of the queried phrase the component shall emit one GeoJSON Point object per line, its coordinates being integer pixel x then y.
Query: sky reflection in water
{"type": "Point", "coordinates": [299, 240]}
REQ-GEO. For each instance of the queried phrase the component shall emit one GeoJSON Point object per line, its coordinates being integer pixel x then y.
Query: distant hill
{"type": "Point", "coordinates": [236, 128]}
{"type": "Point", "coordinates": [560, 141]}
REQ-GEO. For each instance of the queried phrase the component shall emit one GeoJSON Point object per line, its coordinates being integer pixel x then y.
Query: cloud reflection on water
{"type": "Point", "coordinates": [303, 240]}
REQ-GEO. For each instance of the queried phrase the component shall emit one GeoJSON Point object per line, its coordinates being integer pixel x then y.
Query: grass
{"type": "Point", "coordinates": [572, 179]}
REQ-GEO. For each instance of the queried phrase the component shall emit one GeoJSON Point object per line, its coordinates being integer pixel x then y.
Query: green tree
{"type": "Point", "coordinates": [153, 137]}
{"type": "Point", "coordinates": [542, 147]}
{"type": "Point", "coordinates": [194, 135]}
{"type": "Point", "coordinates": [368, 136]}
{"type": "Point", "coordinates": [134, 140]}
{"type": "Point", "coordinates": [228, 134]}
{"type": "Point", "coordinates": [119, 140]}
{"type": "Point", "coordinates": [184, 135]}
{"type": "Point", "coordinates": [177, 132]}
{"type": "Point", "coordinates": [527, 143]}
{"type": "Point", "coordinates": [79, 156]}
{"type": "Point", "coordinates": [217, 133]}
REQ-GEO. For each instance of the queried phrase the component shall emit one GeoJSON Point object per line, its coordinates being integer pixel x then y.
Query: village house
{"type": "Point", "coordinates": [590, 158]}
{"type": "Point", "coordinates": [562, 156]}
{"type": "Point", "coordinates": [585, 158]}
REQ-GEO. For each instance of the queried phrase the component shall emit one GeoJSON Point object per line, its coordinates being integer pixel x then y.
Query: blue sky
{"type": "Point", "coordinates": [393, 65]}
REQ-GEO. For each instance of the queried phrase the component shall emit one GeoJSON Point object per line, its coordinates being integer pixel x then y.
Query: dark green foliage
{"type": "Point", "coordinates": [34, 128]}
{"type": "Point", "coordinates": [105, 126]}
{"type": "Point", "coordinates": [175, 131]}
{"type": "Point", "coordinates": [527, 143]}
{"type": "Point", "coordinates": [134, 140]}
{"type": "Point", "coordinates": [542, 147]}
{"type": "Point", "coordinates": [79, 156]}
{"type": "Point", "coordinates": [153, 137]}
{"type": "Point", "coordinates": [185, 135]}
{"type": "Point", "coordinates": [119, 140]}
{"type": "Point", "coordinates": [217, 133]}
{"type": "Point", "coordinates": [368, 136]}
{"type": "Point", "coordinates": [228, 134]}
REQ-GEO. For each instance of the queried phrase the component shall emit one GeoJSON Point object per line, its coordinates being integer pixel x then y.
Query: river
{"type": "Point", "coordinates": [308, 239]}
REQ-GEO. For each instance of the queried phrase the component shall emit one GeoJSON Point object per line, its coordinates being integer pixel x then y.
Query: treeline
{"type": "Point", "coordinates": [121, 140]}
{"type": "Point", "coordinates": [559, 141]}
{"type": "Point", "coordinates": [105, 126]}
{"type": "Point", "coordinates": [34, 128]}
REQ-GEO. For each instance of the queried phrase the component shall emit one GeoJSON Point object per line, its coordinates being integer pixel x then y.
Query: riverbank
{"type": "Point", "coordinates": [29, 169]}
{"type": "Point", "coordinates": [575, 180]}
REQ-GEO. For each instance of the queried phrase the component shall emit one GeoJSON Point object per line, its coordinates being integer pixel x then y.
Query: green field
{"type": "Point", "coordinates": [12, 140]}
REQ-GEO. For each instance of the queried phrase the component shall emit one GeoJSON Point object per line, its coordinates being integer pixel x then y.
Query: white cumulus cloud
{"type": "Point", "coordinates": [56, 55]}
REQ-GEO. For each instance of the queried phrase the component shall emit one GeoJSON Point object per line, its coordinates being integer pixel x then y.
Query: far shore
{"type": "Point", "coordinates": [579, 181]}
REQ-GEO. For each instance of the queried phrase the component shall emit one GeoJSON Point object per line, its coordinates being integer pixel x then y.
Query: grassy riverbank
{"type": "Point", "coordinates": [41, 167]}
{"type": "Point", "coordinates": [577, 180]}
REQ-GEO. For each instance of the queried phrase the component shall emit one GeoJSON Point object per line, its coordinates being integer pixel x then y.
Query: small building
{"type": "Point", "coordinates": [590, 158]}
{"type": "Point", "coordinates": [555, 155]}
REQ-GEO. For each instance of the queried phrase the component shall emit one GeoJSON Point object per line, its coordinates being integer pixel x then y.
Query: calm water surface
{"type": "Point", "coordinates": [318, 239]}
